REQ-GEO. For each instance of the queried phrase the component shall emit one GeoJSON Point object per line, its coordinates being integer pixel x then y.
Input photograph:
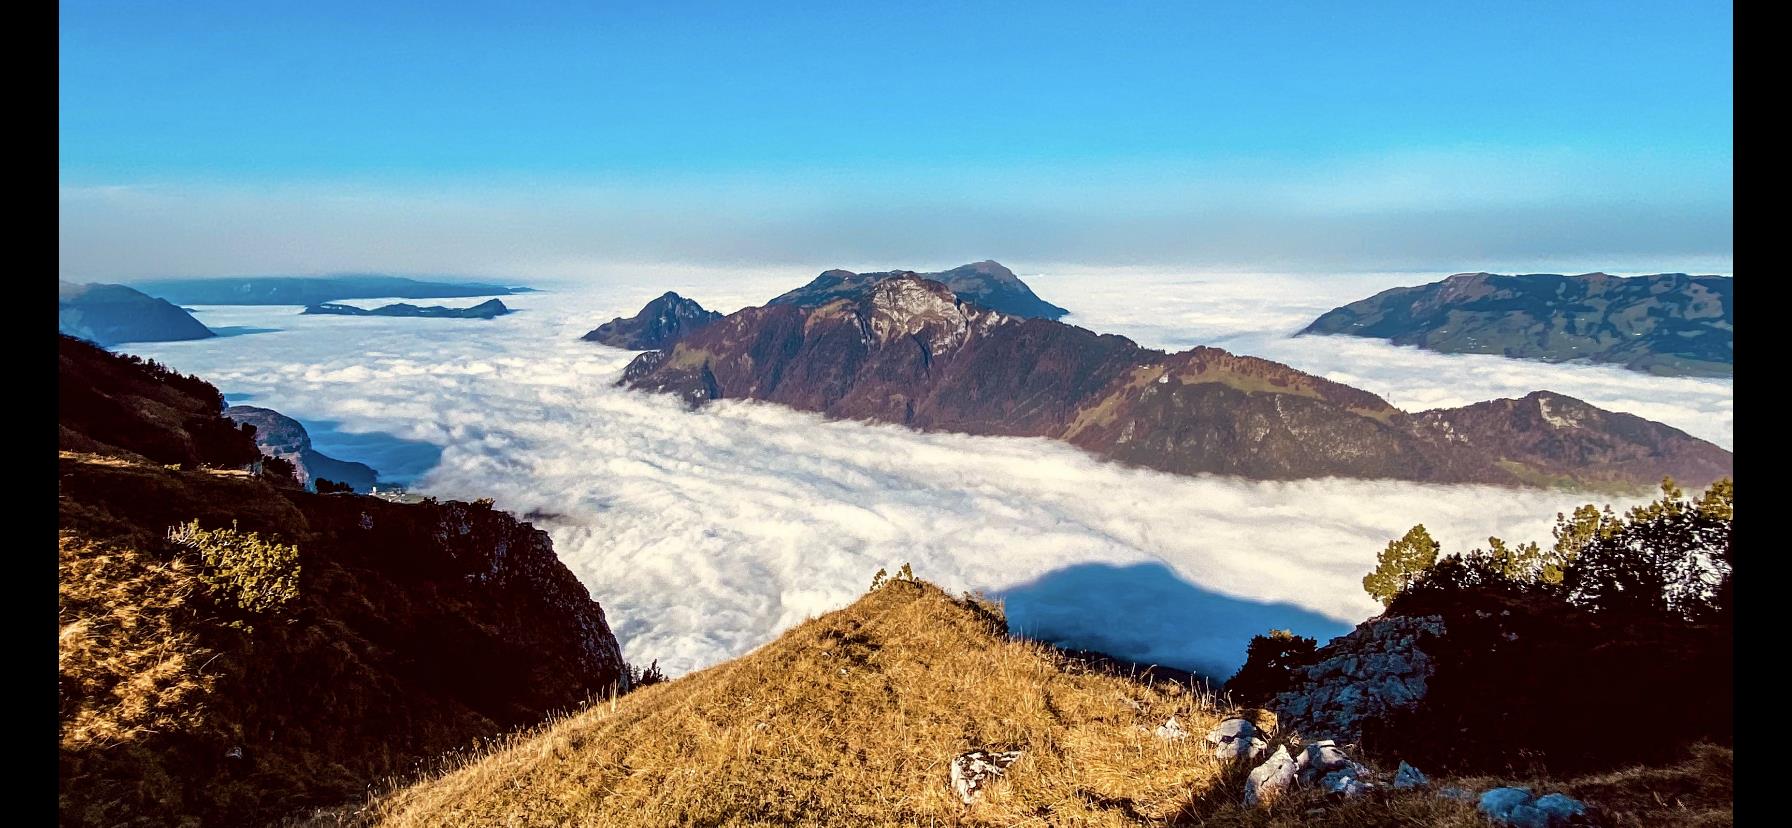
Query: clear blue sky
{"type": "Point", "coordinates": [692, 123]}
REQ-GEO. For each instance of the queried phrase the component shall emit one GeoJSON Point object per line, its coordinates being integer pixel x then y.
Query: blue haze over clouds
{"type": "Point", "coordinates": [537, 138]}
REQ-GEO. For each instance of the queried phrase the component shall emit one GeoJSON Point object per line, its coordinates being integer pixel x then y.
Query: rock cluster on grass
{"type": "Point", "coordinates": [1378, 669]}
{"type": "Point", "coordinates": [1519, 808]}
{"type": "Point", "coordinates": [1236, 738]}
{"type": "Point", "coordinates": [1170, 731]}
{"type": "Point", "coordinates": [1321, 764]}
{"type": "Point", "coordinates": [972, 770]}
{"type": "Point", "coordinates": [1407, 776]}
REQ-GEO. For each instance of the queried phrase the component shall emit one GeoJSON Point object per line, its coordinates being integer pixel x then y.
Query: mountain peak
{"type": "Point", "coordinates": [659, 323]}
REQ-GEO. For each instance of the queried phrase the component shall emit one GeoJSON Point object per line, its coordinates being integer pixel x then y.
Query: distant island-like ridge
{"type": "Point", "coordinates": [489, 309]}
{"type": "Point", "coordinates": [312, 290]}
{"type": "Point", "coordinates": [1668, 323]}
{"type": "Point", "coordinates": [110, 314]}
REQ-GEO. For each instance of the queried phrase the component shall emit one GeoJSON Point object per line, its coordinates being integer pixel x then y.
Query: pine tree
{"type": "Point", "coordinates": [1402, 562]}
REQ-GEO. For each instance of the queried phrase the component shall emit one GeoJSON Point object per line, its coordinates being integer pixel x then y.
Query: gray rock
{"type": "Point", "coordinates": [973, 770]}
{"type": "Point", "coordinates": [1231, 729]}
{"type": "Point", "coordinates": [1499, 803]}
{"type": "Point", "coordinates": [1269, 779]}
{"type": "Point", "coordinates": [1243, 748]}
{"type": "Point", "coordinates": [1561, 808]}
{"type": "Point", "coordinates": [1453, 792]}
{"type": "Point", "coordinates": [1407, 776]}
{"type": "Point", "coordinates": [1236, 738]}
{"type": "Point", "coordinates": [1518, 808]}
{"type": "Point", "coordinates": [1171, 731]}
{"type": "Point", "coordinates": [1345, 783]}
{"type": "Point", "coordinates": [1378, 669]}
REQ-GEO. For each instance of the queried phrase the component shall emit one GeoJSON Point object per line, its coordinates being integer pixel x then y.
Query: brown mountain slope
{"type": "Point", "coordinates": [906, 350]}
{"type": "Point", "coordinates": [193, 688]}
{"type": "Point", "coordinates": [849, 719]}
{"type": "Point", "coordinates": [853, 718]}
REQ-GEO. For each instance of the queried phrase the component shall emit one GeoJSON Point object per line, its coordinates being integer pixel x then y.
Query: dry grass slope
{"type": "Point", "coordinates": [850, 718]}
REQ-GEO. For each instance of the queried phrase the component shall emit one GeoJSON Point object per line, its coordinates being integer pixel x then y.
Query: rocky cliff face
{"type": "Point", "coordinates": [909, 350]}
{"type": "Point", "coordinates": [660, 323]}
{"type": "Point", "coordinates": [987, 284]}
{"type": "Point", "coordinates": [1669, 323]}
{"type": "Point", "coordinates": [281, 436]}
{"type": "Point", "coordinates": [414, 628]}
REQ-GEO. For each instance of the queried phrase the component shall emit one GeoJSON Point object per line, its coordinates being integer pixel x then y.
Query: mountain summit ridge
{"type": "Point", "coordinates": [907, 350]}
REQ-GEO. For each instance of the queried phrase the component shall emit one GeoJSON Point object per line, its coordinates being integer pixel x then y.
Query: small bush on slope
{"type": "Point", "coordinates": [242, 569]}
{"type": "Point", "coordinates": [850, 718]}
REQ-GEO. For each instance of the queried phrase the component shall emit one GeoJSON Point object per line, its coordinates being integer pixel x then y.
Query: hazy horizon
{"type": "Point", "coordinates": [222, 139]}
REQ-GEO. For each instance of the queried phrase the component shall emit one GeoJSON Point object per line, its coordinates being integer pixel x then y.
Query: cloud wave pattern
{"type": "Point", "coordinates": [705, 533]}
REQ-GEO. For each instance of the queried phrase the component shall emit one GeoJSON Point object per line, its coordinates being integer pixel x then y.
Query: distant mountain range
{"type": "Point", "coordinates": [111, 314]}
{"type": "Point", "coordinates": [1668, 323]}
{"type": "Point", "coordinates": [985, 283]}
{"type": "Point", "coordinates": [286, 438]}
{"type": "Point", "coordinates": [662, 321]}
{"type": "Point", "coordinates": [312, 290]}
{"type": "Point", "coordinates": [907, 349]}
{"type": "Point", "coordinates": [488, 309]}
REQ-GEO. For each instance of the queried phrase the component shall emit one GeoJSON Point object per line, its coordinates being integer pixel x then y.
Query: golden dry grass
{"type": "Point", "coordinates": [851, 718]}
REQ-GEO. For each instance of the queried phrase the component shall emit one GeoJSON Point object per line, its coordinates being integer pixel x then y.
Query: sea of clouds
{"type": "Point", "coordinates": [705, 533]}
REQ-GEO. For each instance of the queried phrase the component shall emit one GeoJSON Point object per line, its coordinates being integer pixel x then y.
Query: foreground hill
{"type": "Point", "coordinates": [659, 323]}
{"type": "Point", "coordinates": [311, 290]}
{"type": "Point", "coordinates": [1669, 323]}
{"type": "Point", "coordinates": [286, 438]}
{"type": "Point", "coordinates": [856, 718]}
{"type": "Point", "coordinates": [230, 650]}
{"type": "Point", "coordinates": [987, 284]}
{"type": "Point", "coordinates": [111, 314]}
{"type": "Point", "coordinates": [908, 350]}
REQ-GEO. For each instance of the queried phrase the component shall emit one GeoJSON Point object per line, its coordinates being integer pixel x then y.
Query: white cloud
{"type": "Point", "coordinates": [706, 533]}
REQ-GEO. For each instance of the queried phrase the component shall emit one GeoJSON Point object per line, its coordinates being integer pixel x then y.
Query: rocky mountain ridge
{"type": "Point", "coordinates": [1667, 323]}
{"type": "Point", "coordinates": [908, 350]}
{"type": "Point", "coordinates": [658, 324]}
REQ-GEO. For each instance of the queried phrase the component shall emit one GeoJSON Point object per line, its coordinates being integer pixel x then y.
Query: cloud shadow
{"type": "Point", "coordinates": [397, 460]}
{"type": "Point", "coordinates": [1148, 614]}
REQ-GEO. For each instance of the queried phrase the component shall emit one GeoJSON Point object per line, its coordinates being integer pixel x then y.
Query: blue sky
{"type": "Point", "coordinates": [244, 136]}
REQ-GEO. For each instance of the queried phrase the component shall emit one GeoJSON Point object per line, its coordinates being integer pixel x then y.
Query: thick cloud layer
{"type": "Point", "coordinates": [706, 533]}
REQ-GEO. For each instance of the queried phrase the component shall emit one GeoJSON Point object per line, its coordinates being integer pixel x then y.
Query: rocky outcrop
{"type": "Point", "coordinates": [284, 437]}
{"type": "Point", "coordinates": [660, 323]}
{"type": "Point", "coordinates": [907, 350]}
{"type": "Point", "coordinates": [112, 314]}
{"type": "Point", "coordinates": [986, 284]}
{"type": "Point", "coordinates": [973, 770]}
{"type": "Point", "coordinates": [1668, 323]}
{"type": "Point", "coordinates": [1378, 670]}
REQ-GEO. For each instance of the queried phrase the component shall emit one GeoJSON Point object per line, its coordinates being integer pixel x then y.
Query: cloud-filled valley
{"type": "Point", "coordinates": [704, 533]}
